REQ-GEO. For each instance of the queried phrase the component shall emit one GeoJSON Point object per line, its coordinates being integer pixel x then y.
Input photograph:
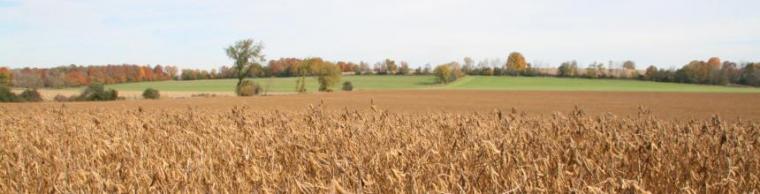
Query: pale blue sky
{"type": "Point", "coordinates": [193, 33]}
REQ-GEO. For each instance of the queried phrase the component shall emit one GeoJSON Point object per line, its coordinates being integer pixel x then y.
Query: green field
{"type": "Point", "coordinates": [578, 84]}
{"type": "Point", "coordinates": [428, 82]}
{"type": "Point", "coordinates": [284, 84]}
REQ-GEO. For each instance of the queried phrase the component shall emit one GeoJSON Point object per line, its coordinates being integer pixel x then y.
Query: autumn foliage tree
{"type": "Point", "coordinates": [699, 72]}
{"type": "Point", "coordinates": [442, 74]}
{"type": "Point", "coordinates": [714, 62]}
{"type": "Point", "coordinates": [5, 76]}
{"type": "Point", "coordinates": [328, 74]}
{"type": "Point", "coordinates": [76, 78]}
{"type": "Point", "coordinates": [447, 73]}
{"type": "Point", "coordinates": [516, 63]}
{"type": "Point", "coordinates": [284, 67]}
{"type": "Point", "coordinates": [347, 66]}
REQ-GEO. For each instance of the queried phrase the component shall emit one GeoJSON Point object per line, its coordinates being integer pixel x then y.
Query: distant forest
{"type": "Point", "coordinates": [74, 76]}
{"type": "Point", "coordinates": [713, 71]}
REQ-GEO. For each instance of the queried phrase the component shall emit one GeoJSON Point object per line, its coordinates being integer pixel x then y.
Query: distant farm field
{"type": "Point", "coordinates": [283, 84]}
{"type": "Point", "coordinates": [577, 84]}
{"type": "Point", "coordinates": [287, 85]}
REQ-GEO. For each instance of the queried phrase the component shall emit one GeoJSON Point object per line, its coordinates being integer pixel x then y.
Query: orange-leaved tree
{"type": "Point", "coordinates": [516, 62]}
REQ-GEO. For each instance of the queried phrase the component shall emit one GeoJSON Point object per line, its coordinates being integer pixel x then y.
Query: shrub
{"type": "Point", "coordinates": [348, 86]}
{"type": "Point", "coordinates": [442, 73]}
{"type": "Point", "coordinates": [97, 92]}
{"type": "Point", "coordinates": [248, 88]}
{"type": "Point", "coordinates": [328, 75]}
{"type": "Point", "coordinates": [151, 93]}
{"type": "Point", "coordinates": [30, 95]}
{"type": "Point", "coordinates": [6, 95]}
{"type": "Point", "coordinates": [447, 73]}
{"type": "Point", "coordinates": [61, 98]}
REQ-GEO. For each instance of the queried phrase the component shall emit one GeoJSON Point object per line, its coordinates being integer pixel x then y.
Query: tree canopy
{"type": "Point", "coordinates": [516, 62]}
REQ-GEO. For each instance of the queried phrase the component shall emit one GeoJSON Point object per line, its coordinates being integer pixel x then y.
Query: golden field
{"type": "Point", "coordinates": [324, 147]}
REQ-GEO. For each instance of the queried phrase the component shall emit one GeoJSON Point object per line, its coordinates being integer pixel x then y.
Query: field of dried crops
{"type": "Point", "coordinates": [140, 148]}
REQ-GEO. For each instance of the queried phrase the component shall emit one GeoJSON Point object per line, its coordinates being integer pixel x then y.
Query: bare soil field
{"type": "Point", "coordinates": [680, 106]}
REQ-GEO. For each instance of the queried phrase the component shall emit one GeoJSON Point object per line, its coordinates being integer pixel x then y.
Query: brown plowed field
{"type": "Point", "coordinates": [678, 106]}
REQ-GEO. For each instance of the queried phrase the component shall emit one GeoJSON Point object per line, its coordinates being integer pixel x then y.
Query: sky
{"type": "Point", "coordinates": [194, 33]}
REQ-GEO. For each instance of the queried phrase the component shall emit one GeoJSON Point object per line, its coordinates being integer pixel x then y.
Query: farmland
{"type": "Point", "coordinates": [477, 135]}
{"type": "Point", "coordinates": [287, 84]}
{"type": "Point", "coordinates": [676, 106]}
{"type": "Point", "coordinates": [379, 97]}
{"type": "Point", "coordinates": [496, 83]}
{"type": "Point", "coordinates": [580, 84]}
{"type": "Point", "coordinates": [387, 142]}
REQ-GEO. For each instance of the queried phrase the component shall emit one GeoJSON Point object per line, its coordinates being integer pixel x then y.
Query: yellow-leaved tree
{"type": "Point", "coordinates": [516, 63]}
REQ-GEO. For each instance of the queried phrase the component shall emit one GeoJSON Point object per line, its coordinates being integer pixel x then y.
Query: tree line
{"type": "Point", "coordinates": [75, 76]}
{"type": "Point", "coordinates": [293, 67]}
{"type": "Point", "coordinates": [713, 71]}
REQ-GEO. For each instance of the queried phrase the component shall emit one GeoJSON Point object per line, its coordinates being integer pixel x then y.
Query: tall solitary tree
{"type": "Point", "coordinates": [516, 62]}
{"type": "Point", "coordinates": [390, 66]}
{"type": "Point", "coordinates": [245, 53]}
